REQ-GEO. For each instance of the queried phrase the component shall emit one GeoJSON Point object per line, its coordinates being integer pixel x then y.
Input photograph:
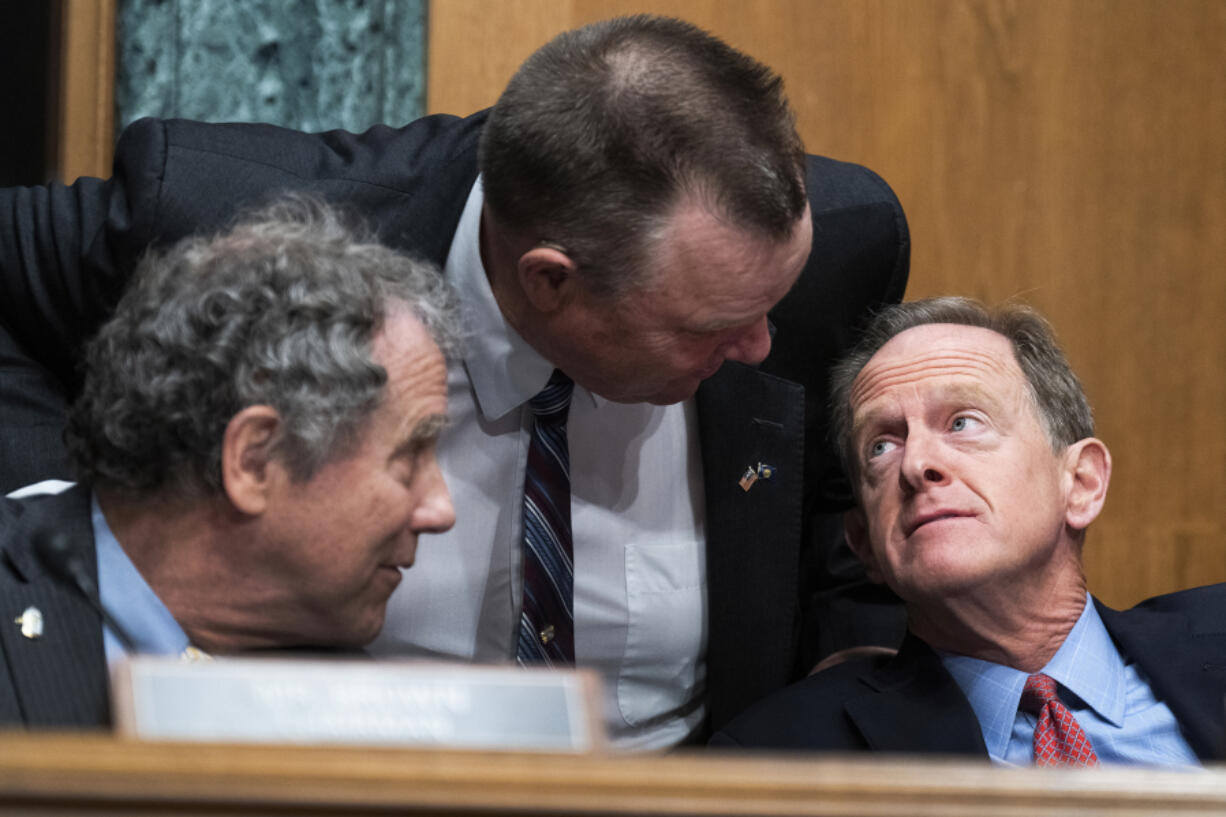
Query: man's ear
{"type": "Point", "coordinates": [547, 277]}
{"type": "Point", "coordinates": [248, 470]}
{"type": "Point", "coordinates": [855, 530]}
{"type": "Point", "coordinates": [1087, 473]}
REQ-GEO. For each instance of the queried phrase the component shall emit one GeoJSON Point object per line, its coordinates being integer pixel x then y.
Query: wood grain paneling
{"type": "Point", "coordinates": [86, 117]}
{"type": "Point", "coordinates": [1071, 153]}
{"type": "Point", "coordinates": [77, 775]}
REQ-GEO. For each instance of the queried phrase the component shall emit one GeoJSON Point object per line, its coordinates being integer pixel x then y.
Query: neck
{"type": "Point", "coordinates": [1018, 627]}
{"type": "Point", "coordinates": [185, 550]}
{"type": "Point", "coordinates": [499, 252]}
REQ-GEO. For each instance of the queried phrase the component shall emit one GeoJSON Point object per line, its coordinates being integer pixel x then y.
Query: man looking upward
{"type": "Point", "coordinates": [971, 446]}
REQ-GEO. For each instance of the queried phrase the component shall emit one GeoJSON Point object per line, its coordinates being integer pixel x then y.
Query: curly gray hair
{"type": "Point", "coordinates": [1056, 392]}
{"type": "Point", "coordinates": [281, 310]}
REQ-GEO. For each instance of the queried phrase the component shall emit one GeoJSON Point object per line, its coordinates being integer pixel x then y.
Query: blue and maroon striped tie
{"type": "Point", "coordinates": [546, 624]}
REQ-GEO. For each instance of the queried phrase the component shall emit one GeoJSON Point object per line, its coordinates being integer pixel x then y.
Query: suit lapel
{"type": "Point", "coordinates": [59, 678]}
{"type": "Point", "coordinates": [916, 707]}
{"type": "Point", "coordinates": [745, 418]}
{"type": "Point", "coordinates": [1184, 659]}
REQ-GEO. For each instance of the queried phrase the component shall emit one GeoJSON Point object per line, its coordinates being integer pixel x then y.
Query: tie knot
{"type": "Point", "coordinates": [1040, 690]}
{"type": "Point", "coordinates": [553, 401]}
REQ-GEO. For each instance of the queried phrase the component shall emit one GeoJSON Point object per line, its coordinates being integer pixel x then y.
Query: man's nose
{"type": "Point", "coordinates": [751, 345]}
{"type": "Point", "coordinates": [923, 463]}
{"type": "Point", "coordinates": [434, 514]}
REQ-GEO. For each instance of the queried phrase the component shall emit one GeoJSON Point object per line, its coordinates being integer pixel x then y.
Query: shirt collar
{"type": "Point", "coordinates": [505, 371]}
{"type": "Point", "coordinates": [1087, 664]}
{"type": "Point", "coordinates": [129, 598]}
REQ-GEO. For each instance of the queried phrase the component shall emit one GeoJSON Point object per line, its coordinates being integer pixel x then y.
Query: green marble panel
{"type": "Point", "coordinates": [308, 64]}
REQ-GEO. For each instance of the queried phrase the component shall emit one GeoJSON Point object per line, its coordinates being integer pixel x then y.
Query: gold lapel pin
{"type": "Point", "coordinates": [31, 622]}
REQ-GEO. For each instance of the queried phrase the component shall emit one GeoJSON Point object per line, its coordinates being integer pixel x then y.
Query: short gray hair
{"type": "Point", "coordinates": [1057, 394]}
{"type": "Point", "coordinates": [604, 129]}
{"type": "Point", "coordinates": [280, 310]}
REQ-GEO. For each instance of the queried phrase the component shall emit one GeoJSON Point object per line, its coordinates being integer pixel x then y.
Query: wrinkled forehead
{"type": "Point", "coordinates": [935, 355]}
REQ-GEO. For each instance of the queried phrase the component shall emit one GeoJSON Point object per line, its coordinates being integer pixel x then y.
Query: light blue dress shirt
{"type": "Point", "coordinates": [1111, 700]}
{"type": "Point", "coordinates": [129, 598]}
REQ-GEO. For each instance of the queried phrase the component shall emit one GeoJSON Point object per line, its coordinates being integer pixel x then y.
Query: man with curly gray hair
{"type": "Point", "coordinates": [255, 440]}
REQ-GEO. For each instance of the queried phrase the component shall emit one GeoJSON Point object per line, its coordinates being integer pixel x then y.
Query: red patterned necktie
{"type": "Point", "coordinates": [1058, 739]}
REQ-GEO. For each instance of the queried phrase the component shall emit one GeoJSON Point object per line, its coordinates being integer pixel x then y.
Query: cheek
{"type": "Point", "coordinates": [696, 353]}
{"type": "Point", "coordinates": [368, 517]}
{"type": "Point", "coordinates": [391, 510]}
{"type": "Point", "coordinates": [880, 511]}
{"type": "Point", "coordinates": [1034, 481]}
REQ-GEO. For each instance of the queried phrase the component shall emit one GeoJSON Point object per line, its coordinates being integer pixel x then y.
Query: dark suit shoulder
{"type": "Point", "coordinates": [1209, 598]}
{"type": "Point", "coordinates": [23, 519]}
{"type": "Point", "coordinates": [57, 679]}
{"type": "Point", "coordinates": [807, 715]}
{"type": "Point", "coordinates": [1195, 611]}
{"type": "Point", "coordinates": [180, 177]}
{"type": "Point", "coordinates": [1178, 641]}
{"type": "Point", "coordinates": [381, 155]}
{"type": "Point", "coordinates": [834, 185]}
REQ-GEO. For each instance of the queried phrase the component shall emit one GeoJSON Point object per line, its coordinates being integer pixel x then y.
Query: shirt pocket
{"type": "Point", "coordinates": [666, 630]}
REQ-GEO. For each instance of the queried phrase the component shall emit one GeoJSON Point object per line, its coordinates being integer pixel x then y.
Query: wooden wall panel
{"type": "Point", "coordinates": [85, 127]}
{"type": "Point", "coordinates": [1071, 153]}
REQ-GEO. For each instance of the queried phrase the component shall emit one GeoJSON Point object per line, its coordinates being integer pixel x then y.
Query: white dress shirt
{"type": "Point", "coordinates": [637, 513]}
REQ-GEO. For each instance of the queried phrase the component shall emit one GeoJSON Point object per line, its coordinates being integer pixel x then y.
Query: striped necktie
{"type": "Point", "coordinates": [546, 623]}
{"type": "Point", "coordinates": [1058, 739]}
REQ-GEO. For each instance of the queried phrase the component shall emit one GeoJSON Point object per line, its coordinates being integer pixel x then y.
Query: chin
{"type": "Point", "coordinates": [360, 637]}
{"type": "Point", "coordinates": [664, 398]}
{"type": "Point", "coordinates": [670, 399]}
{"type": "Point", "coordinates": [677, 392]}
{"type": "Point", "coordinates": [361, 628]}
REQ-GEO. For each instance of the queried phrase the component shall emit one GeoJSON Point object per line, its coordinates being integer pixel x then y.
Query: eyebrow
{"type": "Point", "coordinates": [430, 426]}
{"type": "Point", "coordinates": [426, 430]}
{"type": "Point", "coordinates": [957, 393]}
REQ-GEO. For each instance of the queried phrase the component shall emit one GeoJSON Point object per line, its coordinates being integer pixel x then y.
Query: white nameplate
{"type": "Point", "coordinates": [392, 703]}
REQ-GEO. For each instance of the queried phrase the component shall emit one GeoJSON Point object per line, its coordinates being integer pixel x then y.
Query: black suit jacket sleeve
{"type": "Point", "coordinates": [67, 251]}
{"type": "Point", "coordinates": [57, 280]}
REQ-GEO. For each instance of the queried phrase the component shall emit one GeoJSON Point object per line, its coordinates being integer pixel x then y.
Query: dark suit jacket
{"type": "Point", "coordinates": [782, 587]}
{"type": "Point", "coordinates": [910, 703]}
{"type": "Point", "coordinates": [60, 678]}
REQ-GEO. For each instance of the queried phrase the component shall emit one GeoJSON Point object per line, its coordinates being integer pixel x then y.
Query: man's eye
{"type": "Point", "coordinates": [879, 447]}
{"type": "Point", "coordinates": [962, 423]}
